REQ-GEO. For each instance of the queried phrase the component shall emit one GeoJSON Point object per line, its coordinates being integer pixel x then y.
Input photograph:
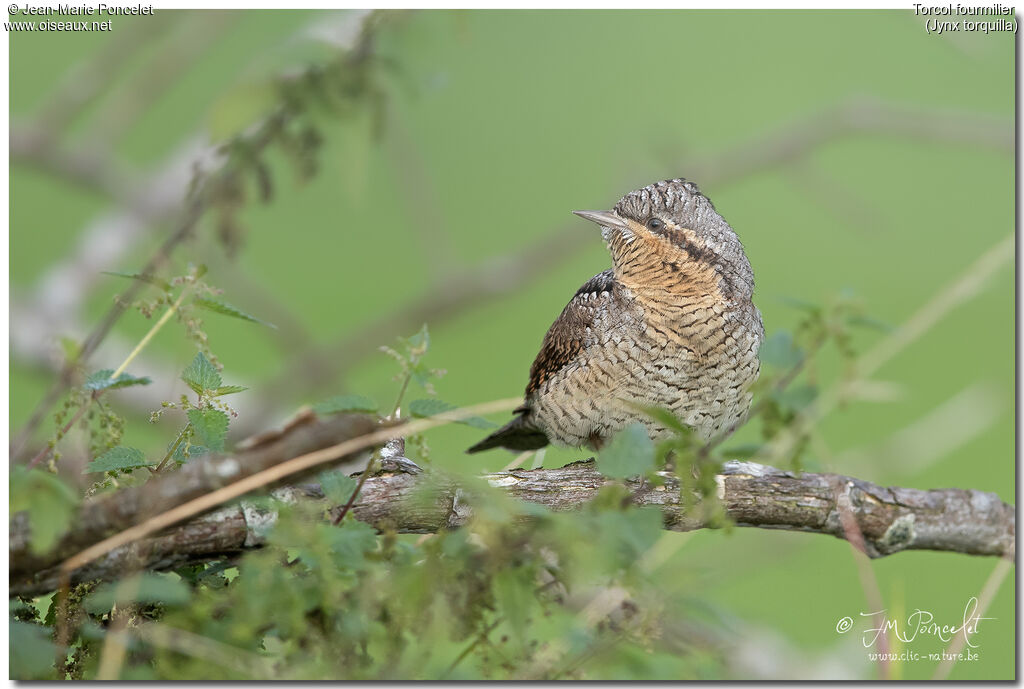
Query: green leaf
{"type": "Point", "coordinates": [229, 390]}
{"type": "Point", "coordinates": [351, 541]}
{"type": "Point", "coordinates": [629, 453]}
{"type": "Point", "coordinates": [419, 342]}
{"type": "Point", "coordinates": [119, 458]}
{"type": "Point", "coordinates": [151, 279]}
{"type": "Point", "coordinates": [201, 375]}
{"type": "Point", "coordinates": [227, 309]}
{"type": "Point", "coordinates": [210, 425]}
{"type": "Point", "coordinates": [144, 588]}
{"type": "Point", "coordinates": [49, 502]}
{"type": "Point", "coordinates": [193, 452]}
{"type": "Point", "coordinates": [345, 403]}
{"type": "Point", "coordinates": [31, 651]}
{"type": "Point", "coordinates": [432, 407]}
{"type": "Point", "coordinates": [101, 380]}
{"type": "Point", "coordinates": [780, 351]}
{"type": "Point", "coordinates": [337, 487]}
{"type": "Point", "coordinates": [626, 535]}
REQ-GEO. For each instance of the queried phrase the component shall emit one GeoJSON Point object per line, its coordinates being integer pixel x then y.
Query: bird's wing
{"type": "Point", "coordinates": [577, 326]}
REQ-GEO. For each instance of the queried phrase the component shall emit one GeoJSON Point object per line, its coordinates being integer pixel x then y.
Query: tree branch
{"type": "Point", "coordinates": [113, 512]}
{"type": "Point", "coordinates": [753, 495]}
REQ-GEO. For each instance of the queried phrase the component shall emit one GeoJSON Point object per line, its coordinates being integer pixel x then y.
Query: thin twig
{"type": "Point", "coordinates": [355, 492]}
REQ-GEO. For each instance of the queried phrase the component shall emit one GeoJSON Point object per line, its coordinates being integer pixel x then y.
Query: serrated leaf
{"type": "Point", "coordinates": [629, 453]}
{"type": "Point", "coordinates": [101, 380]}
{"type": "Point", "coordinates": [229, 390]}
{"type": "Point", "coordinates": [780, 351]}
{"type": "Point", "coordinates": [432, 407]}
{"type": "Point", "coordinates": [337, 487]}
{"type": "Point", "coordinates": [119, 458]}
{"type": "Point", "coordinates": [201, 375]}
{"type": "Point", "coordinates": [193, 452]}
{"type": "Point", "coordinates": [144, 588]}
{"type": "Point", "coordinates": [345, 403]}
{"type": "Point", "coordinates": [227, 309]}
{"type": "Point", "coordinates": [210, 425]}
{"type": "Point", "coordinates": [151, 279]}
{"type": "Point", "coordinates": [49, 502]}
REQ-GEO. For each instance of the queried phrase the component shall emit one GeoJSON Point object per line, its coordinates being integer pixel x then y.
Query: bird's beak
{"type": "Point", "coordinates": [603, 218]}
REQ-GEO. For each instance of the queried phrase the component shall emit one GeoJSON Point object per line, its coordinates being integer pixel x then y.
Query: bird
{"type": "Point", "coordinates": [671, 324]}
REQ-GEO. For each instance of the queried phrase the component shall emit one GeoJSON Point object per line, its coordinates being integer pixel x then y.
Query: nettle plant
{"type": "Point", "coordinates": [48, 501]}
{"type": "Point", "coordinates": [520, 592]}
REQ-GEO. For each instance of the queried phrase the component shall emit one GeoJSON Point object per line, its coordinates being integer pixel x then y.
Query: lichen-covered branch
{"type": "Point", "coordinates": [753, 495]}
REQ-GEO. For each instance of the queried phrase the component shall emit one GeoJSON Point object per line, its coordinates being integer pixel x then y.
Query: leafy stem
{"type": "Point", "coordinates": [45, 452]}
{"type": "Point", "coordinates": [170, 453]}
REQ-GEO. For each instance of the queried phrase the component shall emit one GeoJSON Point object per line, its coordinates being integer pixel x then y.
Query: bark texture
{"type": "Point", "coordinates": [405, 499]}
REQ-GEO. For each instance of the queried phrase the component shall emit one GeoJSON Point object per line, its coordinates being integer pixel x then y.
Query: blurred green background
{"type": "Point", "coordinates": [498, 125]}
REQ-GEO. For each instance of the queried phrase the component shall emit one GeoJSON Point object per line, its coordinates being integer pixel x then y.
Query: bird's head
{"type": "Point", "coordinates": [668, 232]}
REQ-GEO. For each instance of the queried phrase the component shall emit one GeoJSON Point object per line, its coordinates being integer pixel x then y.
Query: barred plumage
{"type": "Point", "coordinates": [671, 324]}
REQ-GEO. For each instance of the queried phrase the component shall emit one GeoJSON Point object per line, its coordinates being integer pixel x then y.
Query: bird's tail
{"type": "Point", "coordinates": [516, 435]}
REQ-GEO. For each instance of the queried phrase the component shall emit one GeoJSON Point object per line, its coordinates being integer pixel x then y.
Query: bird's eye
{"type": "Point", "coordinates": [655, 224]}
